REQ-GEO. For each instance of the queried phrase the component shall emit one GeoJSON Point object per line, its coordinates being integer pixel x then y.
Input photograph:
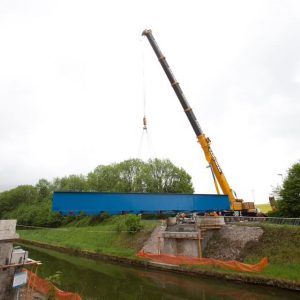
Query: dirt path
{"type": "Point", "coordinates": [151, 245]}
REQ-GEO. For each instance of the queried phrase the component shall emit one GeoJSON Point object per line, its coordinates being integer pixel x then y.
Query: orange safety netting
{"type": "Point", "coordinates": [185, 260]}
{"type": "Point", "coordinates": [45, 287]}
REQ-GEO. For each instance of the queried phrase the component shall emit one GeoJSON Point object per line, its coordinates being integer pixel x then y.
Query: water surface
{"type": "Point", "coordinates": [99, 280]}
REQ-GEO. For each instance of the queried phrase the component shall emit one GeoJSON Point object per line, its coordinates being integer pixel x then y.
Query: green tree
{"type": "Point", "coordinates": [103, 179]}
{"type": "Point", "coordinates": [72, 183]}
{"type": "Point", "coordinates": [123, 177]}
{"type": "Point", "coordinates": [164, 177]}
{"type": "Point", "coordinates": [9, 200]}
{"type": "Point", "coordinates": [289, 204]}
{"type": "Point", "coordinates": [134, 175]}
{"type": "Point", "coordinates": [131, 175]}
{"type": "Point", "coordinates": [44, 188]}
{"type": "Point", "coordinates": [32, 205]}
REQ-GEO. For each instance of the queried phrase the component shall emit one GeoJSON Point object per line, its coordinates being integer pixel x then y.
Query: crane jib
{"type": "Point", "coordinates": [184, 103]}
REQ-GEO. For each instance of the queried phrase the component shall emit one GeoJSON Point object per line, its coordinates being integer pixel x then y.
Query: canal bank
{"type": "Point", "coordinates": [96, 279]}
{"type": "Point", "coordinates": [202, 272]}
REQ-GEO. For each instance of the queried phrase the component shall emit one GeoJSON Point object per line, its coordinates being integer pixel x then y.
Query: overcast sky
{"type": "Point", "coordinates": [71, 88]}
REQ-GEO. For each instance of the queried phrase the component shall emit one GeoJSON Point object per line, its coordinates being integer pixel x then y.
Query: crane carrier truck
{"type": "Point", "coordinates": [238, 206]}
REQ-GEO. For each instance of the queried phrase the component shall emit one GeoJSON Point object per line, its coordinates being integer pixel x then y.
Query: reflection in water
{"type": "Point", "coordinates": [99, 280]}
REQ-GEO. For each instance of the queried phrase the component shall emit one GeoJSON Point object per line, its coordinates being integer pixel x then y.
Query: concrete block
{"type": "Point", "coordinates": [8, 230]}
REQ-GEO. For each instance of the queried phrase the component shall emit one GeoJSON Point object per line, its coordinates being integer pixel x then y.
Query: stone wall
{"type": "Point", "coordinates": [229, 242]}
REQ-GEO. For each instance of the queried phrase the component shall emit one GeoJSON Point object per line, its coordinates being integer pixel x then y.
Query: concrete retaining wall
{"type": "Point", "coordinates": [183, 247]}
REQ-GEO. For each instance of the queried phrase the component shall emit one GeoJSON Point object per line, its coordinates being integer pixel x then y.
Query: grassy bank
{"type": "Point", "coordinates": [109, 237]}
{"type": "Point", "coordinates": [281, 244]}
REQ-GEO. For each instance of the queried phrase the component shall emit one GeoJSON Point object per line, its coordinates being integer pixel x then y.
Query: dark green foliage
{"type": "Point", "coordinates": [275, 213]}
{"type": "Point", "coordinates": [95, 220]}
{"type": "Point", "coordinates": [55, 279]}
{"type": "Point", "coordinates": [37, 213]}
{"type": "Point", "coordinates": [31, 205]}
{"type": "Point", "coordinates": [133, 223]}
{"type": "Point", "coordinates": [289, 204]}
{"type": "Point", "coordinates": [68, 219]}
{"type": "Point", "coordinates": [44, 188]}
{"type": "Point", "coordinates": [9, 200]}
{"type": "Point", "coordinates": [156, 216]}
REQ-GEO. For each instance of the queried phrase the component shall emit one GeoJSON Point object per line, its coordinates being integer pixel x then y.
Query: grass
{"type": "Point", "coordinates": [107, 238]}
{"type": "Point", "coordinates": [264, 208]}
{"type": "Point", "coordinates": [281, 244]}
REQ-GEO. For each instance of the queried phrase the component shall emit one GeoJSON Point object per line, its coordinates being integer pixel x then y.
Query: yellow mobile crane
{"type": "Point", "coordinates": [237, 205]}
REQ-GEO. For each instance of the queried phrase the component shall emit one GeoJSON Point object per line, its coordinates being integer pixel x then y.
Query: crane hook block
{"type": "Point", "coordinates": [145, 123]}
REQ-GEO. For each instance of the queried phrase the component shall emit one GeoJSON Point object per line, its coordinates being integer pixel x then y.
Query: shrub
{"type": "Point", "coordinates": [133, 223]}
{"type": "Point", "coordinates": [120, 223]}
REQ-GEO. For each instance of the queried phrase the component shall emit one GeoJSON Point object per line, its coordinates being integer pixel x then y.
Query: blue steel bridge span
{"type": "Point", "coordinates": [93, 203]}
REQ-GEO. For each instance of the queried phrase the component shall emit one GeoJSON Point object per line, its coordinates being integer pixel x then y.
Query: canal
{"type": "Point", "coordinates": [98, 280]}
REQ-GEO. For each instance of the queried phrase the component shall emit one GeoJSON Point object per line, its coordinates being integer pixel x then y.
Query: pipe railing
{"type": "Point", "coordinates": [268, 220]}
{"type": "Point", "coordinates": [206, 221]}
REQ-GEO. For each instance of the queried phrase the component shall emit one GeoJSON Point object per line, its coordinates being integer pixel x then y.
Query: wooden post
{"type": "Point", "coordinates": [158, 245]}
{"type": "Point", "coordinates": [199, 244]}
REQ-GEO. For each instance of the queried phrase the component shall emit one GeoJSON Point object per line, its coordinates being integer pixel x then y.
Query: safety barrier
{"type": "Point", "coordinates": [267, 220]}
{"type": "Point", "coordinates": [184, 260]}
{"type": "Point", "coordinates": [45, 287]}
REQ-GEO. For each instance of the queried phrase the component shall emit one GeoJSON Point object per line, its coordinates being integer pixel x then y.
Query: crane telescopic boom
{"type": "Point", "coordinates": [219, 177]}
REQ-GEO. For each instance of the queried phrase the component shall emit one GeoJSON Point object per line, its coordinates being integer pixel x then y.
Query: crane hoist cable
{"type": "Point", "coordinates": [144, 86]}
{"type": "Point", "coordinates": [145, 137]}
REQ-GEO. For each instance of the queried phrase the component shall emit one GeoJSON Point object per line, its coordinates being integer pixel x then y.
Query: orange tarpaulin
{"type": "Point", "coordinates": [44, 287]}
{"type": "Point", "coordinates": [185, 260]}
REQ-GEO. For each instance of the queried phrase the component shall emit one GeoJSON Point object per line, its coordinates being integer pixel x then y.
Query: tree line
{"type": "Point", "coordinates": [288, 195]}
{"type": "Point", "coordinates": [31, 205]}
